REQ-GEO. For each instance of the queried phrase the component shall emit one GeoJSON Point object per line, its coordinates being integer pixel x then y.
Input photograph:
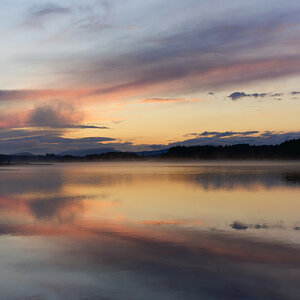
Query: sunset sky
{"type": "Point", "coordinates": [145, 75]}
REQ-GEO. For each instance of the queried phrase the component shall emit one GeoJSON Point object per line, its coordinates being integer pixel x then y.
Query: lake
{"type": "Point", "coordinates": [149, 230]}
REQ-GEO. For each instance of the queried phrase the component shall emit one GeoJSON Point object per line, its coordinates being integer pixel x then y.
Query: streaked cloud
{"type": "Point", "coordinates": [199, 55]}
{"type": "Point", "coordinates": [99, 55]}
{"type": "Point", "coordinates": [69, 19]}
{"type": "Point", "coordinates": [39, 14]}
{"type": "Point", "coordinates": [196, 58]}
{"type": "Point", "coordinates": [175, 222]}
{"type": "Point", "coordinates": [40, 94]}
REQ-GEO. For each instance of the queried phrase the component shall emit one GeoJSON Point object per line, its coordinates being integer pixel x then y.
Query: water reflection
{"type": "Point", "coordinates": [230, 179]}
{"type": "Point", "coordinates": [153, 194]}
{"type": "Point", "coordinates": [150, 231]}
{"type": "Point", "coordinates": [20, 180]}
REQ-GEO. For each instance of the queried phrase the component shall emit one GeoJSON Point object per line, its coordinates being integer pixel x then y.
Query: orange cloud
{"type": "Point", "coordinates": [13, 119]}
{"type": "Point", "coordinates": [166, 100]}
{"type": "Point", "coordinates": [174, 222]}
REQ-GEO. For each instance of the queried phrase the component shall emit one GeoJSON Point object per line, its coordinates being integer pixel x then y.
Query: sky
{"type": "Point", "coordinates": [145, 75]}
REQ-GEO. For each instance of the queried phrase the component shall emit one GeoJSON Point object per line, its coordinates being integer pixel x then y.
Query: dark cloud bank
{"type": "Point", "coordinates": [239, 95]}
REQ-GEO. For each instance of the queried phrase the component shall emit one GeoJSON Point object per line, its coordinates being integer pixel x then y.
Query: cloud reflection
{"type": "Point", "coordinates": [176, 264]}
{"type": "Point", "coordinates": [71, 247]}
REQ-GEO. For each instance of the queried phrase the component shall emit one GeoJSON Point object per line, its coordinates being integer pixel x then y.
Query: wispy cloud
{"type": "Point", "coordinates": [73, 18]}
{"type": "Point", "coordinates": [94, 18]}
{"type": "Point", "coordinates": [218, 54]}
{"type": "Point", "coordinates": [39, 14]}
{"type": "Point", "coordinates": [197, 58]}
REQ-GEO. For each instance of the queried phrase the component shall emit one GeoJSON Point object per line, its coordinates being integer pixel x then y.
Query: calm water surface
{"type": "Point", "coordinates": [150, 231]}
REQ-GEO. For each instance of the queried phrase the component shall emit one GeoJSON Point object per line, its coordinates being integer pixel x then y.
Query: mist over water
{"type": "Point", "coordinates": [216, 230]}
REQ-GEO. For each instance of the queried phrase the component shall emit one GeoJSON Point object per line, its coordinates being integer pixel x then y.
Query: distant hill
{"type": "Point", "coordinates": [98, 151]}
{"type": "Point", "coordinates": [113, 156]}
{"type": "Point", "coordinates": [84, 152]}
{"type": "Point", "coordinates": [23, 154]}
{"type": "Point", "coordinates": [152, 153]}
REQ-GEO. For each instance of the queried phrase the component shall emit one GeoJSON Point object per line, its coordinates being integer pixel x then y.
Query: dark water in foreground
{"type": "Point", "coordinates": [150, 231]}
